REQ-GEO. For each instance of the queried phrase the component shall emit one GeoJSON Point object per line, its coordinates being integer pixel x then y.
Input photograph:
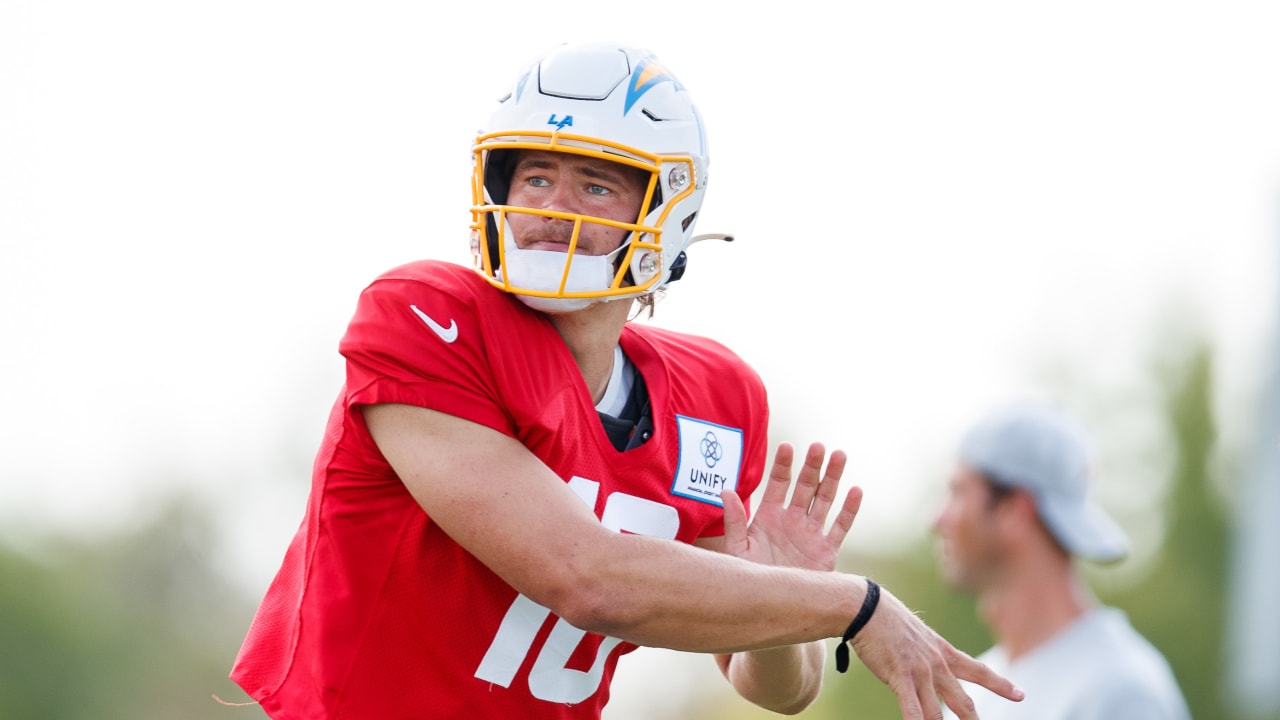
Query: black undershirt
{"type": "Point", "coordinates": [633, 426]}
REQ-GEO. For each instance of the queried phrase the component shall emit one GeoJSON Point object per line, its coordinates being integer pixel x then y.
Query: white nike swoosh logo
{"type": "Point", "coordinates": [447, 334]}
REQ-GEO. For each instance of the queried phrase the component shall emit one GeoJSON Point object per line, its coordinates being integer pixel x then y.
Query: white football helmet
{"type": "Point", "coordinates": [602, 101]}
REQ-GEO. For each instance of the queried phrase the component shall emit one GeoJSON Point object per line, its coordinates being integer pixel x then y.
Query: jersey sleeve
{"type": "Point", "coordinates": [756, 452]}
{"type": "Point", "coordinates": [416, 341]}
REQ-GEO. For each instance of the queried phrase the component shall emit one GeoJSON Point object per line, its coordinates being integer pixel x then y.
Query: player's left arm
{"type": "Point", "coordinates": [787, 679]}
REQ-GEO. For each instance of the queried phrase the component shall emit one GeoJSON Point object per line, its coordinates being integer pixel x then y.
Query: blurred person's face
{"type": "Point", "coordinates": [969, 547]}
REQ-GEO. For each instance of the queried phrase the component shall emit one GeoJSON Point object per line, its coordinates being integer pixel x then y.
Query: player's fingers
{"type": "Point", "coordinates": [807, 482]}
{"type": "Point", "coordinates": [930, 708]}
{"type": "Point", "coordinates": [947, 688]}
{"type": "Point", "coordinates": [967, 668]}
{"type": "Point", "coordinates": [924, 677]}
{"type": "Point", "coordinates": [848, 513]}
{"type": "Point", "coordinates": [953, 694]}
{"type": "Point", "coordinates": [775, 491]}
{"type": "Point", "coordinates": [829, 487]}
{"type": "Point", "coordinates": [909, 702]}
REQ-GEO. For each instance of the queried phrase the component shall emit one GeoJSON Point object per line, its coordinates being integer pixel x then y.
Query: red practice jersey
{"type": "Point", "coordinates": [377, 614]}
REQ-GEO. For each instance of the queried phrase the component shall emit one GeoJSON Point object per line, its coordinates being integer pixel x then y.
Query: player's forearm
{"type": "Point", "coordinates": [785, 679]}
{"type": "Point", "coordinates": [667, 594]}
{"type": "Point", "coordinates": [535, 532]}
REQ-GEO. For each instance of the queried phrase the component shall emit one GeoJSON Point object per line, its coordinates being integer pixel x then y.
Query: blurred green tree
{"type": "Point", "coordinates": [1179, 605]}
{"type": "Point", "coordinates": [138, 626]}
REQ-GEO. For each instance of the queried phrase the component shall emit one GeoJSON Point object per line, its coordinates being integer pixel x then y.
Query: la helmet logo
{"type": "Point", "coordinates": [566, 121]}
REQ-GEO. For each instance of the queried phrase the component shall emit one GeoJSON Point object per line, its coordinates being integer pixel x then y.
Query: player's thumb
{"type": "Point", "coordinates": [735, 523]}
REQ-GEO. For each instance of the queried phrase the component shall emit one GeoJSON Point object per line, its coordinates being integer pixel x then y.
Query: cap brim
{"type": "Point", "coordinates": [1084, 529]}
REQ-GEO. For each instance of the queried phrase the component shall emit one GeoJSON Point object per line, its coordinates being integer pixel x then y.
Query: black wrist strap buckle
{"type": "Point", "coordinates": [869, 604]}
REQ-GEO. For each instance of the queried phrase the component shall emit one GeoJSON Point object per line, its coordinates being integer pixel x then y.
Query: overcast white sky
{"type": "Point", "coordinates": [933, 202]}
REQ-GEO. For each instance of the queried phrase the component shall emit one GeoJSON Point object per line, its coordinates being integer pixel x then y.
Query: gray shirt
{"type": "Point", "coordinates": [1097, 668]}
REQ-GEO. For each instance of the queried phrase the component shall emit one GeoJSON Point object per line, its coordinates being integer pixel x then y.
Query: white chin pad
{"type": "Point", "coordinates": [543, 271]}
{"type": "Point", "coordinates": [556, 306]}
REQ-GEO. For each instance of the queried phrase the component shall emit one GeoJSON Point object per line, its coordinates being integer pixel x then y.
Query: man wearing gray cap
{"type": "Point", "coordinates": [1017, 515]}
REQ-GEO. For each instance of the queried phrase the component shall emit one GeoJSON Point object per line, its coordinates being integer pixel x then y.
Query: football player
{"type": "Point", "coordinates": [519, 484]}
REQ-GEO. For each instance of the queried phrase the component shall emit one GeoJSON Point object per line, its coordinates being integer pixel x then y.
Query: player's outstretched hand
{"type": "Point", "coordinates": [920, 666]}
{"type": "Point", "coordinates": [794, 533]}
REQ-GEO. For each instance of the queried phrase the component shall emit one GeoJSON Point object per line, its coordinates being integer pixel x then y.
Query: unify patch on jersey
{"type": "Point", "coordinates": [710, 460]}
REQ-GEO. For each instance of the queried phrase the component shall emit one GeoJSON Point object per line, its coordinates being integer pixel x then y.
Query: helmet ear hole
{"type": "Point", "coordinates": [498, 166]}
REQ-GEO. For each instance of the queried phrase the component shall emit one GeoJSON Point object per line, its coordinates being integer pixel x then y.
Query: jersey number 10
{"type": "Point", "coordinates": [550, 679]}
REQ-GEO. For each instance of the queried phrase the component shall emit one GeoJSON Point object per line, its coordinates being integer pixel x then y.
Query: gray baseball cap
{"type": "Point", "coordinates": [1038, 447]}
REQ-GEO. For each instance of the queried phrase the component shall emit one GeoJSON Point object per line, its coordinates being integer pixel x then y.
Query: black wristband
{"type": "Point", "coordinates": [869, 604]}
